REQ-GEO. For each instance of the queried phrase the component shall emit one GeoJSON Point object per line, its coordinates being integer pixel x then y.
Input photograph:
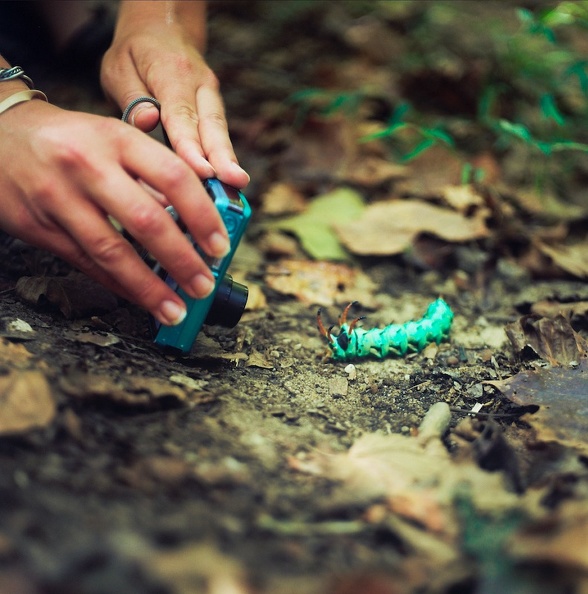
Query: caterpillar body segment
{"type": "Point", "coordinates": [395, 340]}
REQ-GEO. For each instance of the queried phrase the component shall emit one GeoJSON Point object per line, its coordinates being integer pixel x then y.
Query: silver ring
{"type": "Point", "coordinates": [16, 72]}
{"type": "Point", "coordinates": [135, 102]}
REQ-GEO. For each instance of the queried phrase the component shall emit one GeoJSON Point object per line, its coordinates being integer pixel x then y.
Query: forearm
{"type": "Point", "coordinates": [187, 15]}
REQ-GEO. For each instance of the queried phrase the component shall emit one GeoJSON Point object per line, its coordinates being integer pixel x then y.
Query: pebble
{"type": "Point", "coordinates": [351, 372]}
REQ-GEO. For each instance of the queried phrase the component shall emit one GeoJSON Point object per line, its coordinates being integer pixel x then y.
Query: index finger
{"type": "Point", "coordinates": [170, 175]}
{"type": "Point", "coordinates": [195, 121]}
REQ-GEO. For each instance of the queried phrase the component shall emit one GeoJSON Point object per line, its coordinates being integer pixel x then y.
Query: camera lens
{"type": "Point", "coordinates": [228, 305]}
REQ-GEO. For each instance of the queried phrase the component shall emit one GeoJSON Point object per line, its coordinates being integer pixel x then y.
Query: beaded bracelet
{"type": "Point", "coordinates": [15, 72]}
{"type": "Point", "coordinates": [20, 97]}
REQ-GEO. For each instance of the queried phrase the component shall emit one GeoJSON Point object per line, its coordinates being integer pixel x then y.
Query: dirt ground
{"type": "Point", "coordinates": [229, 469]}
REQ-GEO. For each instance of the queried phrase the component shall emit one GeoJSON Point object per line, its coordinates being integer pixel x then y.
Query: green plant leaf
{"type": "Point", "coordinates": [550, 110]}
{"type": "Point", "coordinates": [578, 69]}
{"type": "Point", "coordinates": [314, 226]}
{"type": "Point", "coordinates": [438, 134]}
{"type": "Point", "coordinates": [385, 133]}
{"type": "Point", "coordinates": [421, 147]}
{"type": "Point", "coordinates": [516, 130]}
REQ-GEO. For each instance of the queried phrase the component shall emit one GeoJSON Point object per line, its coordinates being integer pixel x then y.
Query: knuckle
{"type": "Point", "coordinates": [107, 251]}
{"type": "Point", "coordinates": [147, 291]}
{"type": "Point", "coordinates": [47, 190]}
{"type": "Point", "coordinates": [81, 260]}
{"type": "Point", "coordinates": [217, 118]}
{"type": "Point", "coordinates": [147, 221]}
{"type": "Point", "coordinates": [177, 172]}
{"type": "Point", "coordinates": [184, 65]}
{"type": "Point", "coordinates": [186, 112]}
{"type": "Point", "coordinates": [185, 265]}
{"type": "Point", "coordinates": [70, 155]}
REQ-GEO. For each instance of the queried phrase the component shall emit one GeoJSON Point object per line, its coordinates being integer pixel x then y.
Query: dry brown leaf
{"type": "Point", "coordinates": [559, 540]}
{"type": "Point", "coordinates": [256, 299]}
{"type": "Point", "coordinates": [282, 198]}
{"type": "Point", "coordinates": [576, 312]}
{"type": "Point", "coordinates": [320, 283]}
{"type": "Point", "coordinates": [551, 339]}
{"type": "Point", "coordinates": [547, 205]}
{"type": "Point", "coordinates": [321, 150]}
{"type": "Point", "coordinates": [560, 394]}
{"type": "Point", "coordinates": [373, 171]}
{"type": "Point", "coordinates": [26, 402]}
{"type": "Point", "coordinates": [206, 347]}
{"type": "Point", "coordinates": [572, 259]}
{"type": "Point", "coordinates": [75, 295]}
{"type": "Point", "coordinates": [430, 172]}
{"type": "Point", "coordinates": [14, 355]}
{"type": "Point", "coordinates": [381, 466]}
{"type": "Point", "coordinates": [396, 467]}
{"type": "Point", "coordinates": [198, 568]}
{"type": "Point", "coordinates": [153, 471]}
{"type": "Point", "coordinates": [103, 339]}
{"type": "Point", "coordinates": [130, 391]}
{"type": "Point", "coordinates": [462, 198]}
{"type": "Point", "coordinates": [388, 228]}
{"type": "Point", "coordinates": [278, 244]}
{"type": "Point", "coordinates": [256, 359]}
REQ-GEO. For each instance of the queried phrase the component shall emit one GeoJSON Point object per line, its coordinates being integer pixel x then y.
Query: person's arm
{"type": "Point", "coordinates": [157, 51]}
{"type": "Point", "coordinates": [62, 173]}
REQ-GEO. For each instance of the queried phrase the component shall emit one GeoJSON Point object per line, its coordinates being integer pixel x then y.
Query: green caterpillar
{"type": "Point", "coordinates": [395, 340]}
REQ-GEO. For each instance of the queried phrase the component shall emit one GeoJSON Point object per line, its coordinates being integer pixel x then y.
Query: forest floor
{"type": "Point", "coordinates": [256, 463]}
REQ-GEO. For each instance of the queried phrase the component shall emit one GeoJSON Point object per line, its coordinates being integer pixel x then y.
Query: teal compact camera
{"type": "Point", "coordinates": [225, 305]}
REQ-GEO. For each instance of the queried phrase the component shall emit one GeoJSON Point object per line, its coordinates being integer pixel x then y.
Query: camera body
{"type": "Point", "coordinates": [226, 303]}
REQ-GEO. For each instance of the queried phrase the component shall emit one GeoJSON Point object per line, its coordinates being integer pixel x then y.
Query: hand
{"type": "Point", "coordinates": [64, 172]}
{"type": "Point", "coordinates": [154, 52]}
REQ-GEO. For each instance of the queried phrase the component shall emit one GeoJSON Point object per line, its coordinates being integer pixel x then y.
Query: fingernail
{"type": "Point", "coordinates": [238, 169]}
{"type": "Point", "coordinates": [141, 107]}
{"type": "Point", "coordinates": [219, 245]}
{"type": "Point", "coordinates": [171, 313]}
{"type": "Point", "coordinates": [207, 169]}
{"type": "Point", "coordinates": [201, 286]}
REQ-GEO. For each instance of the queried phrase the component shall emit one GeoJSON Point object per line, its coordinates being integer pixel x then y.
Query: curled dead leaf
{"type": "Point", "coordinates": [559, 540]}
{"type": "Point", "coordinates": [373, 171]}
{"type": "Point", "coordinates": [388, 228]}
{"type": "Point", "coordinates": [548, 308]}
{"type": "Point", "coordinates": [282, 198]}
{"type": "Point", "coordinates": [320, 283]}
{"type": "Point", "coordinates": [462, 198]}
{"type": "Point", "coordinates": [551, 339]}
{"type": "Point", "coordinates": [75, 295]}
{"type": "Point", "coordinates": [572, 259]}
{"type": "Point", "coordinates": [560, 395]}
{"type": "Point", "coordinates": [103, 339]}
{"type": "Point", "coordinates": [257, 359]}
{"type": "Point", "coordinates": [26, 402]}
{"type": "Point", "coordinates": [14, 355]}
{"type": "Point", "coordinates": [135, 391]}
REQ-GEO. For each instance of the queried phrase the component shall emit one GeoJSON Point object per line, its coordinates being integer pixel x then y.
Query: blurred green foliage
{"type": "Point", "coordinates": [526, 70]}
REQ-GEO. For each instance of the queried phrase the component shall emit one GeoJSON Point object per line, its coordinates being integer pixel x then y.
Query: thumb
{"type": "Point", "coordinates": [141, 111]}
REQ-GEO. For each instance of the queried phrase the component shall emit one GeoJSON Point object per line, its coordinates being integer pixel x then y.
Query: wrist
{"type": "Point", "coordinates": [21, 97]}
{"type": "Point", "coordinates": [189, 16]}
{"type": "Point", "coordinates": [10, 87]}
